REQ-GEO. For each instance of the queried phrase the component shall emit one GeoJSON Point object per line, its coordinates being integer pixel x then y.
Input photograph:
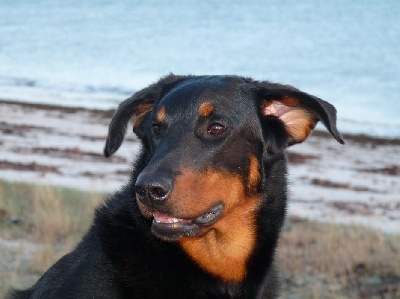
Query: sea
{"type": "Point", "coordinates": [96, 53]}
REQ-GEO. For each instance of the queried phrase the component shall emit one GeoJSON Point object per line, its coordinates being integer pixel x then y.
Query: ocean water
{"type": "Point", "coordinates": [96, 53]}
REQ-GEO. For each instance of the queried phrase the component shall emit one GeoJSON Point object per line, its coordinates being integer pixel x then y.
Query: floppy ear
{"type": "Point", "coordinates": [137, 105]}
{"type": "Point", "coordinates": [298, 111]}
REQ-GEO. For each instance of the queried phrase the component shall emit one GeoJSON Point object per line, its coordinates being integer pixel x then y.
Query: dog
{"type": "Point", "coordinates": [202, 212]}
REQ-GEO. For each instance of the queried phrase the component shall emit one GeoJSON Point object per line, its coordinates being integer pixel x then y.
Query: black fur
{"type": "Point", "coordinates": [119, 257]}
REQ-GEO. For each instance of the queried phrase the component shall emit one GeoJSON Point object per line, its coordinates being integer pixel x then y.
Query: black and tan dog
{"type": "Point", "coordinates": [201, 215]}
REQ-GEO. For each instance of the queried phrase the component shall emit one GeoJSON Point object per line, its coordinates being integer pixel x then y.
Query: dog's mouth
{"type": "Point", "coordinates": [170, 228]}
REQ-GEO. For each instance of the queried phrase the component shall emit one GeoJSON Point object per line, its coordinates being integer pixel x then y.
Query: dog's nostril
{"type": "Point", "coordinates": [153, 189]}
{"type": "Point", "coordinates": [158, 193]}
{"type": "Point", "coordinates": [140, 191]}
{"type": "Point", "coordinates": [154, 193]}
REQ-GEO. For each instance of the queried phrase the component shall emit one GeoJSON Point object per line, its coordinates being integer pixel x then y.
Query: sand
{"type": "Point", "coordinates": [356, 183]}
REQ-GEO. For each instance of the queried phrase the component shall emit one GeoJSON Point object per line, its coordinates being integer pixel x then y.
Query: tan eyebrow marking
{"type": "Point", "coordinates": [141, 111]}
{"type": "Point", "coordinates": [161, 114]}
{"type": "Point", "coordinates": [206, 109]}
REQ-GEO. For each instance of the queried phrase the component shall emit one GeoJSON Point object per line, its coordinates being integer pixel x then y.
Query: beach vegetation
{"type": "Point", "coordinates": [39, 224]}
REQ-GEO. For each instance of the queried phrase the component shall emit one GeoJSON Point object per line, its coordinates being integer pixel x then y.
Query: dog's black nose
{"type": "Point", "coordinates": [153, 190]}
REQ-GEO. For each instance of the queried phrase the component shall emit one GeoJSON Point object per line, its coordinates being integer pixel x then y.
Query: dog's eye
{"type": "Point", "coordinates": [156, 129]}
{"type": "Point", "coordinates": [215, 129]}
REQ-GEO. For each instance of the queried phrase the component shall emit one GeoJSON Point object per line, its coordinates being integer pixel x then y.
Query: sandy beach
{"type": "Point", "coordinates": [358, 183]}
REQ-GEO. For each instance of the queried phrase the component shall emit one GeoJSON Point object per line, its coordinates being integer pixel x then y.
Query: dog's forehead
{"type": "Point", "coordinates": [202, 96]}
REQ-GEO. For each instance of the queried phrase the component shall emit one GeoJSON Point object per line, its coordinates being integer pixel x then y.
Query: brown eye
{"type": "Point", "coordinates": [156, 129]}
{"type": "Point", "coordinates": [215, 129]}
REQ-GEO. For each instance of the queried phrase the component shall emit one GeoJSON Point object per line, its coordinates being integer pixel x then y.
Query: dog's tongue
{"type": "Point", "coordinates": [162, 218]}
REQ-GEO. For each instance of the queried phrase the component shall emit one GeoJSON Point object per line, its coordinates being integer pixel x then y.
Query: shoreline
{"type": "Point", "coordinates": [358, 182]}
{"type": "Point", "coordinates": [108, 113]}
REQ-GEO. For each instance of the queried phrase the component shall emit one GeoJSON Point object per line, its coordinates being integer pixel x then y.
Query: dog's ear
{"type": "Point", "coordinates": [138, 105]}
{"type": "Point", "coordinates": [295, 112]}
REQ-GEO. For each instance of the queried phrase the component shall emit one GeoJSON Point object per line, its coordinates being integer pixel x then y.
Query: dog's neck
{"type": "Point", "coordinates": [225, 249]}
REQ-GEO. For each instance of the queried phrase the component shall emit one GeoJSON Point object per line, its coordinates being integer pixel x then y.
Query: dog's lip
{"type": "Point", "coordinates": [209, 217]}
{"type": "Point", "coordinates": [204, 219]}
{"type": "Point", "coordinates": [172, 228]}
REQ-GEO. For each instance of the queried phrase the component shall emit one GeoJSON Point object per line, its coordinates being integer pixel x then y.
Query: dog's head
{"type": "Point", "coordinates": [206, 139]}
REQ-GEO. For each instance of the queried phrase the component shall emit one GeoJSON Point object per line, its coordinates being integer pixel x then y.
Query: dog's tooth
{"type": "Point", "coordinates": [161, 218]}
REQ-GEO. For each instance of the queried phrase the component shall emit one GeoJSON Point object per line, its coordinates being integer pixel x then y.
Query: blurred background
{"type": "Point", "coordinates": [66, 65]}
{"type": "Point", "coordinates": [93, 53]}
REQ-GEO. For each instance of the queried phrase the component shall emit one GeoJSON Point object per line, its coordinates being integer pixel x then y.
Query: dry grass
{"type": "Point", "coordinates": [316, 260]}
{"type": "Point", "coordinates": [334, 261]}
{"type": "Point", "coordinates": [38, 225]}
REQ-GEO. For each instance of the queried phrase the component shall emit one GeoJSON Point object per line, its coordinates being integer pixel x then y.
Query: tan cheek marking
{"type": "Point", "coordinates": [141, 111]}
{"type": "Point", "coordinates": [194, 192]}
{"type": "Point", "coordinates": [254, 176]}
{"type": "Point", "coordinates": [224, 250]}
{"type": "Point", "coordinates": [161, 114]}
{"type": "Point", "coordinates": [206, 109]}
